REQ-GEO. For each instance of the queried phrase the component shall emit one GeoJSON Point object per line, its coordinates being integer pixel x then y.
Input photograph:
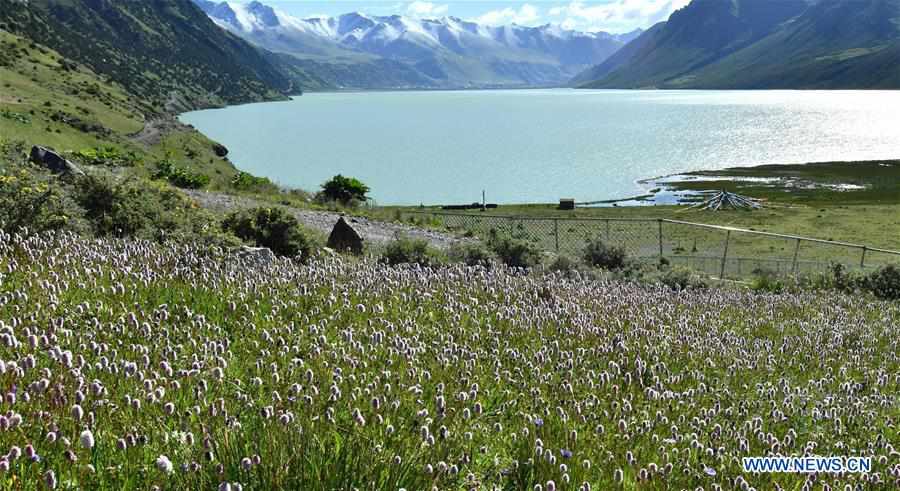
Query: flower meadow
{"type": "Point", "coordinates": [133, 365]}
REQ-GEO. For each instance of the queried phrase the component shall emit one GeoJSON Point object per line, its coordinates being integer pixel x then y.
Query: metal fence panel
{"type": "Point", "coordinates": [715, 250]}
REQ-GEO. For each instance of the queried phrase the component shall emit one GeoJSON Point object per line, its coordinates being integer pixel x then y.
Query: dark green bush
{"type": "Point", "coordinates": [403, 250]}
{"type": "Point", "coordinates": [132, 208]}
{"type": "Point", "coordinates": [598, 254]}
{"type": "Point", "coordinates": [515, 253]}
{"type": "Point", "coordinates": [764, 280]}
{"type": "Point", "coordinates": [884, 282]}
{"type": "Point", "coordinates": [344, 190]}
{"type": "Point", "coordinates": [681, 278]}
{"type": "Point", "coordinates": [472, 254]}
{"type": "Point", "coordinates": [570, 267]}
{"type": "Point", "coordinates": [274, 228]}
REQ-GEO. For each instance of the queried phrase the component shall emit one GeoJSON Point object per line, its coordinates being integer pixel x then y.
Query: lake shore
{"type": "Point", "coordinates": [875, 181]}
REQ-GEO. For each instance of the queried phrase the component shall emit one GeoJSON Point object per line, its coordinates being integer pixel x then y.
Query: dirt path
{"type": "Point", "coordinates": [155, 130]}
{"type": "Point", "coordinates": [372, 231]}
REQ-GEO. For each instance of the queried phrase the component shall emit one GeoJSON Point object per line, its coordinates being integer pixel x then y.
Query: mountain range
{"type": "Point", "coordinates": [397, 51]}
{"type": "Point", "coordinates": [762, 44]}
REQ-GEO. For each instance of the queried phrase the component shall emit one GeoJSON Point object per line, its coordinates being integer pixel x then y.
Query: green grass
{"type": "Point", "coordinates": [810, 184]}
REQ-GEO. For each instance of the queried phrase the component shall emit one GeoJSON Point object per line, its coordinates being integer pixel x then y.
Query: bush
{"type": "Point", "coordinates": [248, 182]}
{"type": "Point", "coordinates": [344, 190]}
{"type": "Point", "coordinates": [515, 252]}
{"type": "Point", "coordinates": [765, 280]}
{"type": "Point", "coordinates": [132, 208]}
{"type": "Point", "coordinates": [680, 278]}
{"type": "Point", "coordinates": [597, 253]}
{"type": "Point", "coordinates": [403, 250]}
{"type": "Point", "coordinates": [472, 254]}
{"type": "Point", "coordinates": [27, 202]}
{"type": "Point", "coordinates": [570, 268]}
{"type": "Point", "coordinates": [270, 227]}
{"type": "Point", "coordinates": [106, 155]}
{"type": "Point", "coordinates": [180, 177]}
{"type": "Point", "coordinates": [884, 282]}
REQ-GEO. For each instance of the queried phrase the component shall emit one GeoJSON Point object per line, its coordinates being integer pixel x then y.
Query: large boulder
{"type": "Point", "coordinates": [53, 161]}
{"type": "Point", "coordinates": [344, 238]}
{"type": "Point", "coordinates": [220, 150]}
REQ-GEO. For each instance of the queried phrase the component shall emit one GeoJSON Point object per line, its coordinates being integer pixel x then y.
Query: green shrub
{"type": "Point", "coordinates": [179, 176]}
{"type": "Point", "coordinates": [403, 250]}
{"type": "Point", "coordinates": [106, 155]}
{"type": "Point", "coordinates": [344, 190]}
{"type": "Point", "coordinates": [681, 278]}
{"type": "Point", "coordinates": [884, 282]}
{"type": "Point", "coordinates": [28, 202]}
{"type": "Point", "coordinates": [274, 228]}
{"type": "Point", "coordinates": [133, 208]}
{"type": "Point", "coordinates": [248, 182]}
{"type": "Point", "coordinates": [764, 280]}
{"type": "Point", "coordinates": [568, 266]}
{"type": "Point", "coordinates": [598, 254]}
{"type": "Point", "coordinates": [472, 254]}
{"type": "Point", "coordinates": [515, 253]}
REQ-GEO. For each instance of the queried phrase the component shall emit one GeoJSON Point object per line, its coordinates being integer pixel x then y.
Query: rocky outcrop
{"type": "Point", "coordinates": [344, 238]}
{"type": "Point", "coordinates": [220, 150]}
{"type": "Point", "coordinates": [53, 161]}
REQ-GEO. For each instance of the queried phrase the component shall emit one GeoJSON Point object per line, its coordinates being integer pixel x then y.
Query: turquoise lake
{"type": "Point", "coordinates": [521, 146]}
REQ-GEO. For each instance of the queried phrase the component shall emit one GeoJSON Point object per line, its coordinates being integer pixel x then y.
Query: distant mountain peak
{"type": "Point", "coordinates": [451, 51]}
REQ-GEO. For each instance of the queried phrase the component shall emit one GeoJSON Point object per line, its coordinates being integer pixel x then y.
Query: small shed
{"type": "Point", "coordinates": [567, 203]}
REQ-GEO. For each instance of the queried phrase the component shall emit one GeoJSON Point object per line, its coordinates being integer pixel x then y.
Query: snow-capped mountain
{"type": "Point", "coordinates": [447, 52]}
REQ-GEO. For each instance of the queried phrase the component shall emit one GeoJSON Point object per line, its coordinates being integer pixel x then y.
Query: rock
{"type": "Point", "coordinates": [344, 238]}
{"type": "Point", "coordinates": [53, 161]}
{"type": "Point", "coordinates": [259, 255]}
{"type": "Point", "coordinates": [220, 150]}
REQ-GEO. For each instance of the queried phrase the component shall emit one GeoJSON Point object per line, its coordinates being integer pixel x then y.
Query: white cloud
{"type": "Point", "coordinates": [616, 16]}
{"type": "Point", "coordinates": [426, 9]}
{"type": "Point", "coordinates": [525, 15]}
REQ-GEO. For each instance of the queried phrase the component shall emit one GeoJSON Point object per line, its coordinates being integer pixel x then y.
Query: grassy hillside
{"type": "Point", "coordinates": [169, 53]}
{"type": "Point", "coordinates": [820, 45]}
{"type": "Point", "coordinates": [47, 99]}
{"type": "Point", "coordinates": [693, 37]}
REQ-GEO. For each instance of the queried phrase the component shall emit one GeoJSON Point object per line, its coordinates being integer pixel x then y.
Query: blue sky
{"type": "Point", "coordinates": [586, 15]}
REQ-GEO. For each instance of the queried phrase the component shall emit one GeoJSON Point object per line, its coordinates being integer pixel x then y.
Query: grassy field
{"type": "Point", "coordinates": [131, 365]}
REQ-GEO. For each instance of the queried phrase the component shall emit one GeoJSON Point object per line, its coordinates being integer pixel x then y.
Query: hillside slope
{"type": "Point", "coordinates": [758, 44]}
{"type": "Point", "coordinates": [166, 51]}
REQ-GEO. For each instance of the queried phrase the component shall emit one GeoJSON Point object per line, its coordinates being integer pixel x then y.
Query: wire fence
{"type": "Point", "coordinates": [716, 250]}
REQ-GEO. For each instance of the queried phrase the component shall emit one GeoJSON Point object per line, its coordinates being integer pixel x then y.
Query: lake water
{"type": "Point", "coordinates": [541, 145]}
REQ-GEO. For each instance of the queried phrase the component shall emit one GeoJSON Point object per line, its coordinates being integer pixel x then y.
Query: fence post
{"type": "Point", "coordinates": [556, 232]}
{"type": "Point", "coordinates": [608, 238]}
{"type": "Point", "coordinates": [660, 238]}
{"type": "Point", "coordinates": [725, 254]}
{"type": "Point", "coordinates": [862, 260]}
{"type": "Point", "coordinates": [796, 252]}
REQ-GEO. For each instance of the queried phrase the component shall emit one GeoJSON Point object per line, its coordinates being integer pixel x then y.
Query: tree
{"type": "Point", "coordinates": [344, 190]}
